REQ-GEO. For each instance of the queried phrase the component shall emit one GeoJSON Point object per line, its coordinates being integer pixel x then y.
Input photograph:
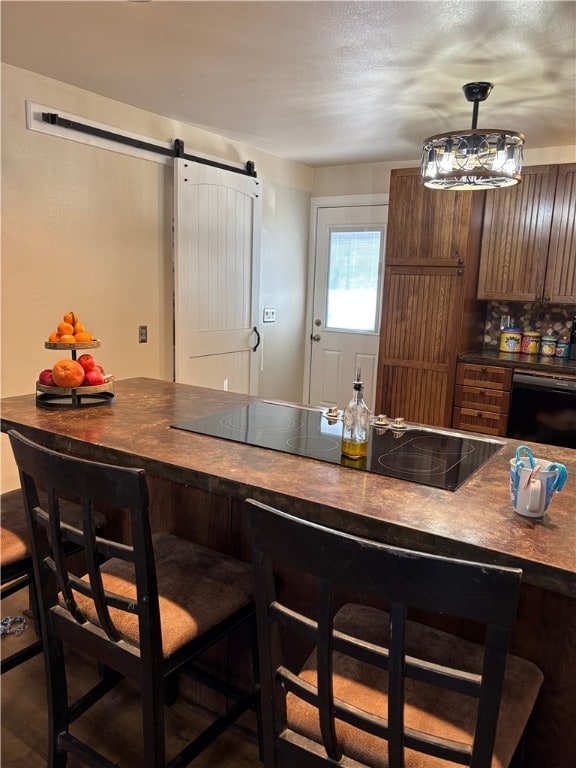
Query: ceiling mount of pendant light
{"type": "Point", "coordinates": [490, 158]}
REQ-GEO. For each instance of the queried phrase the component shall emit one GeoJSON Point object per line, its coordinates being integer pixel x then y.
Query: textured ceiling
{"type": "Point", "coordinates": [323, 83]}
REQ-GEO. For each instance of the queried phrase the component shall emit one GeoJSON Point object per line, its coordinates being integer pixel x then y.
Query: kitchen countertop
{"type": "Point", "coordinates": [551, 365]}
{"type": "Point", "coordinates": [476, 522]}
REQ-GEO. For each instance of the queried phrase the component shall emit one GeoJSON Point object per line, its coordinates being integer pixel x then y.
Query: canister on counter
{"type": "Point", "coordinates": [548, 346]}
{"type": "Point", "coordinates": [510, 340]}
{"type": "Point", "coordinates": [563, 348]}
{"type": "Point", "coordinates": [530, 343]}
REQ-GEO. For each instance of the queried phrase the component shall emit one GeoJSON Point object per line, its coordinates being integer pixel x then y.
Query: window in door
{"type": "Point", "coordinates": [353, 295]}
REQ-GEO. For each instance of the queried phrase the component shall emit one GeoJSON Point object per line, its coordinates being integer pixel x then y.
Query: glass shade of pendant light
{"type": "Point", "coordinates": [491, 158]}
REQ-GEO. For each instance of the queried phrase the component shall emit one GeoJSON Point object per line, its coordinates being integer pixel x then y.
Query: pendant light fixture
{"type": "Point", "coordinates": [476, 159]}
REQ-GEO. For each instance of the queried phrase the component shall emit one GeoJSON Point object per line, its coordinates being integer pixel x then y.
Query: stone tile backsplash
{"type": "Point", "coordinates": [533, 317]}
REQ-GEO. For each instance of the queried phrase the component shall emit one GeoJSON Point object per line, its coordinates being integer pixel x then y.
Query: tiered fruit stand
{"type": "Point", "coordinates": [75, 397]}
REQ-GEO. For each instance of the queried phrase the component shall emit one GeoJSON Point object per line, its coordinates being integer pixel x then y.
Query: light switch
{"type": "Point", "coordinates": [269, 315]}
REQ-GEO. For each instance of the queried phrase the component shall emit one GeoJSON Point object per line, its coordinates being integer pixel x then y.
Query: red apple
{"type": "Point", "coordinates": [99, 367]}
{"type": "Point", "coordinates": [87, 362]}
{"type": "Point", "coordinates": [45, 378]}
{"type": "Point", "coordinates": [93, 378]}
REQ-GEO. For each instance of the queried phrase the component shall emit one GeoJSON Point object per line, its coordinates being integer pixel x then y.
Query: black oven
{"type": "Point", "coordinates": [543, 408]}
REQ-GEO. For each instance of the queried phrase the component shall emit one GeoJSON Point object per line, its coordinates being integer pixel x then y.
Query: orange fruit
{"type": "Point", "coordinates": [54, 336]}
{"type": "Point", "coordinates": [83, 336]}
{"type": "Point", "coordinates": [67, 338]}
{"type": "Point", "coordinates": [71, 318]}
{"type": "Point", "coordinates": [68, 373]}
{"type": "Point", "coordinates": [78, 327]}
{"type": "Point", "coordinates": [65, 327]}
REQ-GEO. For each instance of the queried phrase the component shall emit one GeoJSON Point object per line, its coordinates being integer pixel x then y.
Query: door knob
{"type": "Point", "coordinates": [316, 337]}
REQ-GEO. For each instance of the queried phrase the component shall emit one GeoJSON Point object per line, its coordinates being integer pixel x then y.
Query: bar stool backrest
{"type": "Point", "coordinates": [93, 484]}
{"type": "Point", "coordinates": [404, 580]}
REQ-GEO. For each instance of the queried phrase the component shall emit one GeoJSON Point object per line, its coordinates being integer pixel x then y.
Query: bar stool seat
{"type": "Point", "coordinates": [14, 537]}
{"type": "Point", "coordinates": [428, 709]}
{"type": "Point", "coordinates": [198, 589]}
{"type": "Point", "coordinates": [14, 542]}
{"type": "Point", "coordinates": [17, 571]}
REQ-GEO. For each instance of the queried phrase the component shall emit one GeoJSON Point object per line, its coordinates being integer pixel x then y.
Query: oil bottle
{"type": "Point", "coordinates": [356, 424]}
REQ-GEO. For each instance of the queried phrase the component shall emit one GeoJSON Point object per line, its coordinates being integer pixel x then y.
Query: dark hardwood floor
{"type": "Point", "coordinates": [114, 722]}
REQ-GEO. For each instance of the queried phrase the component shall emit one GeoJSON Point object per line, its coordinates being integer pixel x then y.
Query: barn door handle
{"type": "Point", "coordinates": [255, 347]}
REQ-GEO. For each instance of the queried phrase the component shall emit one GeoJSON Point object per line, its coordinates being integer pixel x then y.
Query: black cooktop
{"type": "Point", "coordinates": [426, 456]}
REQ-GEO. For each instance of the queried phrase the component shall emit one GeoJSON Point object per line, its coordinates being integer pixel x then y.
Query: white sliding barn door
{"type": "Point", "coordinates": [216, 260]}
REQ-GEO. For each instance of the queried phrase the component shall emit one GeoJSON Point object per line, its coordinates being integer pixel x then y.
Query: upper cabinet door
{"type": "Point", "coordinates": [428, 227]}
{"type": "Point", "coordinates": [516, 236]}
{"type": "Point", "coordinates": [560, 285]}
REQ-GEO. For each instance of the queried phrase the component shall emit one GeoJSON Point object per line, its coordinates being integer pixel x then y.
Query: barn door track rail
{"type": "Point", "coordinates": [176, 151]}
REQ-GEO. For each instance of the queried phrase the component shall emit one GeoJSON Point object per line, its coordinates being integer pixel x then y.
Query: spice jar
{"type": "Point", "coordinates": [530, 343]}
{"type": "Point", "coordinates": [510, 340]}
{"type": "Point", "coordinates": [548, 346]}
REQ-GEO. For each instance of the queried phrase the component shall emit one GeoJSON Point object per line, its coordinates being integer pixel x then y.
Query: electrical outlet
{"type": "Point", "coordinates": [269, 315]}
{"type": "Point", "coordinates": [142, 334]}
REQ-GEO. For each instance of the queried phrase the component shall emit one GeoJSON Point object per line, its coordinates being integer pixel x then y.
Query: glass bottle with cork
{"type": "Point", "coordinates": [356, 423]}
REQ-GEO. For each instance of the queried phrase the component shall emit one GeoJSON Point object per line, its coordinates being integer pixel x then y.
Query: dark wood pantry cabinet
{"type": "Point", "coordinates": [430, 312]}
{"type": "Point", "coordinates": [529, 238]}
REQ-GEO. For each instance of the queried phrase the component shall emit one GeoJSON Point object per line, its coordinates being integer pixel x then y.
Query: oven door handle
{"type": "Point", "coordinates": [555, 384]}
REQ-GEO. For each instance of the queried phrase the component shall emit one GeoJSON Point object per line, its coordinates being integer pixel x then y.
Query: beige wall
{"type": "Point", "coordinates": [88, 230]}
{"type": "Point", "coordinates": [374, 178]}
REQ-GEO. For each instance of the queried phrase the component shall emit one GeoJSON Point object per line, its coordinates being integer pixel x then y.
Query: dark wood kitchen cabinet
{"type": "Point", "coordinates": [529, 238]}
{"type": "Point", "coordinates": [426, 227]}
{"type": "Point", "coordinates": [429, 312]}
{"type": "Point", "coordinates": [560, 282]}
{"type": "Point", "coordinates": [482, 398]}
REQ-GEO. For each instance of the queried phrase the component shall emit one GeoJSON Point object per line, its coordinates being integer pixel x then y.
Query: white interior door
{"type": "Point", "coordinates": [216, 273]}
{"type": "Point", "coordinates": [349, 261]}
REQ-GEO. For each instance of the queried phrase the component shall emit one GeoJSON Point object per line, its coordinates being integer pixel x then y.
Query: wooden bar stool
{"type": "Point", "coordinates": [144, 611]}
{"type": "Point", "coordinates": [16, 562]}
{"type": "Point", "coordinates": [16, 567]}
{"type": "Point", "coordinates": [378, 690]}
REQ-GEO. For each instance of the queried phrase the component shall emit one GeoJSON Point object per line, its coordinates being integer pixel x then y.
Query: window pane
{"type": "Point", "coordinates": [353, 269]}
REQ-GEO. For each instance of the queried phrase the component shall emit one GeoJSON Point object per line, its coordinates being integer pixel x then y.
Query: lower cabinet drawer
{"type": "Point", "coordinates": [478, 420]}
{"type": "Point", "coordinates": [482, 399]}
{"type": "Point", "coordinates": [484, 376]}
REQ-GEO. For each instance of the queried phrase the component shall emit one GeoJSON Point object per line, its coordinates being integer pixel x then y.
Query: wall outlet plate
{"type": "Point", "coordinates": [142, 334]}
{"type": "Point", "coordinates": [269, 315]}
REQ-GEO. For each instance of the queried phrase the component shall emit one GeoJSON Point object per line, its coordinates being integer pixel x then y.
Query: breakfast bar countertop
{"type": "Point", "coordinates": [475, 522]}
